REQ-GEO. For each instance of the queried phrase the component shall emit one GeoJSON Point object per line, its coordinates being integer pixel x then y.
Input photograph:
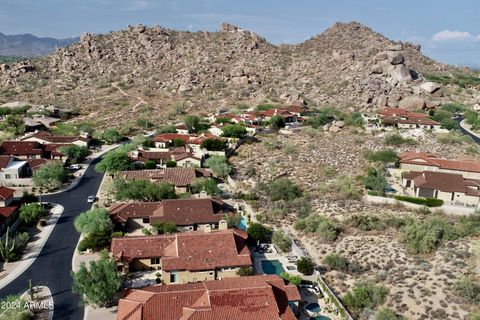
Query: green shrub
{"type": "Point", "coordinates": [95, 241]}
{"type": "Point", "coordinates": [30, 213]}
{"type": "Point", "coordinates": [305, 266]}
{"type": "Point", "coordinates": [429, 202]}
{"type": "Point", "coordinates": [336, 261]}
{"type": "Point", "coordinates": [282, 241]}
{"type": "Point", "coordinates": [214, 144]}
{"type": "Point", "coordinates": [365, 295]}
{"type": "Point", "coordinates": [165, 227]}
{"type": "Point", "coordinates": [282, 189]}
{"type": "Point", "coordinates": [171, 164]}
{"type": "Point", "coordinates": [387, 314]}
{"type": "Point", "coordinates": [395, 139]}
{"type": "Point", "coordinates": [375, 180]}
{"type": "Point", "coordinates": [296, 280]}
{"type": "Point", "coordinates": [324, 227]}
{"type": "Point", "coordinates": [454, 138]}
{"type": "Point", "coordinates": [469, 289]}
{"type": "Point", "coordinates": [365, 222]}
{"type": "Point", "coordinates": [234, 131]}
{"type": "Point", "coordinates": [385, 156]}
{"type": "Point", "coordinates": [208, 185]}
{"type": "Point", "coordinates": [143, 190]}
{"type": "Point", "coordinates": [245, 271]}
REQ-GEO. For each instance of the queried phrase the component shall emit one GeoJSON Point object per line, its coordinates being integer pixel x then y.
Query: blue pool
{"type": "Point", "coordinates": [272, 267]}
{"type": "Point", "coordinates": [242, 225]}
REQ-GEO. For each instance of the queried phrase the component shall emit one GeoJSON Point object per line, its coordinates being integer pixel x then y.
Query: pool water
{"type": "Point", "coordinates": [242, 225]}
{"type": "Point", "coordinates": [272, 267]}
{"type": "Point", "coordinates": [314, 307]}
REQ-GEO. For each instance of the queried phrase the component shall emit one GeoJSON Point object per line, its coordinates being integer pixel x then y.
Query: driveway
{"type": "Point", "coordinates": [53, 265]}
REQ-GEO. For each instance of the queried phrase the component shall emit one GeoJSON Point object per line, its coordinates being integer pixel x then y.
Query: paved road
{"type": "Point", "coordinates": [53, 265]}
{"type": "Point", "coordinates": [474, 137]}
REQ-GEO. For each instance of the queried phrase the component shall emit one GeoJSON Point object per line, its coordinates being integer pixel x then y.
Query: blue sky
{"type": "Point", "coordinates": [448, 31]}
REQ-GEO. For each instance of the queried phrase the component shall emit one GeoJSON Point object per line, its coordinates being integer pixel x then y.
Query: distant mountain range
{"type": "Point", "coordinates": [28, 45]}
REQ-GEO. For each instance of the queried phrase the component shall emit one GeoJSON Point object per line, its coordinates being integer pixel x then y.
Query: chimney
{"type": "Point", "coordinates": [207, 228]}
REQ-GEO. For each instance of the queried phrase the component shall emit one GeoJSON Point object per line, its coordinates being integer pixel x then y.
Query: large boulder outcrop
{"type": "Point", "coordinates": [412, 103]}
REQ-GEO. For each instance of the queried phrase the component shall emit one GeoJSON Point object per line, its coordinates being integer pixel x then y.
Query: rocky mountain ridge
{"type": "Point", "coordinates": [28, 45]}
{"type": "Point", "coordinates": [159, 71]}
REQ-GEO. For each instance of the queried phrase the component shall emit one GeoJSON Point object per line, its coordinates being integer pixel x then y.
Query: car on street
{"type": "Point", "coordinates": [91, 198]}
{"type": "Point", "coordinates": [74, 167]}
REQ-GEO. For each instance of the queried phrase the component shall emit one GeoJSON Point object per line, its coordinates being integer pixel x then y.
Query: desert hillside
{"type": "Point", "coordinates": [156, 71]}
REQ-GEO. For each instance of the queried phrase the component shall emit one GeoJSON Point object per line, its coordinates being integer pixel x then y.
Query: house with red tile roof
{"type": "Point", "coordinates": [298, 110]}
{"type": "Point", "coordinates": [45, 137]}
{"type": "Point", "coordinates": [405, 119]}
{"type": "Point", "coordinates": [8, 211]}
{"type": "Point", "coordinates": [22, 149]}
{"type": "Point", "coordinates": [182, 157]}
{"type": "Point", "coordinates": [185, 257]}
{"type": "Point", "coordinates": [181, 178]}
{"type": "Point", "coordinates": [285, 114]}
{"type": "Point", "coordinates": [187, 214]}
{"type": "Point", "coordinates": [264, 297]}
{"type": "Point", "coordinates": [453, 189]}
{"type": "Point", "coordinates": [192, 142]}
{"type": "Point", "coordinates": [420, 161]}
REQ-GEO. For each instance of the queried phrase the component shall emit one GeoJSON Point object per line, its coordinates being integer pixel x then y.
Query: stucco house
{"type": "Point", "coordinates": [181, 178]}
{"type": "Point", "coordinates": [185, 257]}
{"type": "Point", "coordinates": [22, 149]}
{"type": "Point", "coordinates": [453, 189]}
{"type": "Point", "coordinates": [246, 298]}
{"type": "Point", "coordinates": [405, 119]}
{"type": "Point", "coordinates": [45, 138]}
{"type": "Point", "coordinates": [188, 214]}
{"type": "Point", "coordinates": [419, 161]}
{"type": "Point", "coordinates": [15, 172]}
{"type": "Point", "coordinates": [8, 211]}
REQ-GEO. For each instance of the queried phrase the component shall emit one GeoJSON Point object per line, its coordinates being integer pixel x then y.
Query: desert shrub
{"type": "Point", "coordinates": [214, 144]}
{"type": "Point", "coordinates": [387, 314]}
{"type": "Point", "coordinates": [396, 139]}
{"type": "Point", "coordinates": [276, 122]}
{"type": "Point", "coordinates": [346, 187]}
{"type": "Point", "coordinates": [95, 240]}
{"type": "Point", "coordinates": [305, 266]}
{"type": "Point", "coordinates": [282, 189]}
{"type": "Point", "coordinates": [219, 165]}
{"type": "Point", "coordinates": [385, 156]}
{"type": "Point", "coordinates": [166, 129]}
{"type": "Point", "coordinates": [282, 241]}
{"type": "Point", "coordinates": [165, 227]}
{"type": "Point", "coordinates": [208, 185]}
{"type": "Point", "coordinates": [425, 237]}
{"type": "Point", "coordinates": [365, 222]}
{"type": "Point", "coordinates": [14, 307]}
{"type": "Point", "coordinates": [365, 295]}
{"type": "Point", "coordinates": [296, 280]}
{"type": "Point", "coordinates": [171, 164]}
{"type": "Point", "coordinates": [258, 232]}
{"type": "Point", "coordinates": [264, 107]}
{"type": "Point", "coordinates": [324, 227]}
{"type": "Point", "coordinates": [429, 202]}
{"type": "Point", "coordinates": [234, 131]}
{"type": "Point", "coordinates": [454, 138]}
{"type": "Point", "coordinates": [354, 119]}
{"type": "Point", "coordinates": [245, 271]}
{"type": "Point", "coordinates": [375, 180]}
{"type": "Point", "coordinates": [30, 213]}
{"type": "Point", "coordinates": [336, 261]}
{"type": "Point", "coordinates": [468, 289]}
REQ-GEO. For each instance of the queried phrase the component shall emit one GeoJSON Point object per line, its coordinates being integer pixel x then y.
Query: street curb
{"type": "Point", "coordinates": [467, 128]}
{"type": "Point", "coordinates": [28, 262]}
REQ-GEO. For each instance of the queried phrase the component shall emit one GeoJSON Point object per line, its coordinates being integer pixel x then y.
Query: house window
{"type": "Point", "coordinates": [174, 277]}
{"type": "Point", "coordinates": [409, 183]}
{"type": "Point", "coordinates": [7, 176]}
{"type": "Point", "coordinates": [146, 220]}
{"type": "Point", "coordinates": [211, 273]}
{"type": "Point", "coordinates": [155, 261]}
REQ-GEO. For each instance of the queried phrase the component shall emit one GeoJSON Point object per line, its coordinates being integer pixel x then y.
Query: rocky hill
{"type": "Point", "coordinates": [27, 45]}
{"type": "Point", "coordinates": [113, 78]}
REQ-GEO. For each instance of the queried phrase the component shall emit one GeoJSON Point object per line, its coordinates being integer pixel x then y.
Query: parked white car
{"type": "Point", "coordinates": [74, 167]}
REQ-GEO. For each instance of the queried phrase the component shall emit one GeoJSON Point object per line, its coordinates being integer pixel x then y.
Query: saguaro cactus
{"type": "Point", "coordinates": [7, 250]}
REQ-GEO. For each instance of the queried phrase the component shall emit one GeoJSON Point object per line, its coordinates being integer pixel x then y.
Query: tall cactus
{"type": "Point", "coordinates": [6, 250]}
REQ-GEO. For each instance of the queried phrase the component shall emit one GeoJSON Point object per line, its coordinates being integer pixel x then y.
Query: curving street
{"type": "Point", "coordinates": [466, 132]}
{"type": "Point", "coordinates": [53, 265]}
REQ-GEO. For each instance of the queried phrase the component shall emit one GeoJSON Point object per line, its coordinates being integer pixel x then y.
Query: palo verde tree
{"type": "Point", "coordinates": [98, 283]}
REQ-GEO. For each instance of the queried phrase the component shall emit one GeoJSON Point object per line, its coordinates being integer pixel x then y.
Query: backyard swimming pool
{"type": "Point", "coordinates": [272, 267]}
{"type": "Point", "coordinates": [313, 307]}
{"type": "Point", "coordinates": [242, 225]}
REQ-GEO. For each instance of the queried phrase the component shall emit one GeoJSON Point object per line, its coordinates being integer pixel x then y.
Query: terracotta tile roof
{"type": "Point", "coordinates": [446, 182]}
{"type": "Point", "coordinates": [420, 121]}
{"type": "Point", "coordinates": [36, 163]}
{"type": "Point", "coordinates": [169, 137]}
{"type": "Point", "coordinates": [191, 251]}
{"type": "Point", "coordinates": [19, 148]}
{"type": "Point", "coordinates": [47, 136]}
{"type": "Point", "coordinates": [183, 212]}
{"type": "Point", "coordinates": [297, 108]}
{"type": "Point", "coordinates": [53, 148]}
{"type": "Point", "coordinates": [263, 297]}
{"type": "Point", "coordinates": [6, 193]}
{"type": "Point", "coordinates": [398, 112]}
{"type": "Point", "coordinates": [4, 161]}
{"type": "Point", "coordinates": [276, 112]}
{"type": "Point", "coordinates": [172, 154]}
{"type": "Point", "coordinates": [425, 159]}
{"type": "Point", "coordinates": [7, 212]}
